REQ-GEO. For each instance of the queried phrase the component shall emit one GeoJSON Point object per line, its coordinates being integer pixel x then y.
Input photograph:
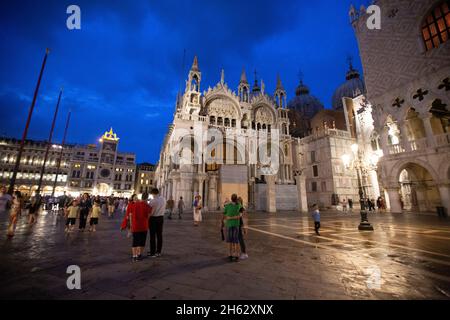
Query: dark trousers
{"type": "Point", "coordinates": [83, 219]}
{"type": "Point", "coordinates": [241, 241]}
{"type": "Point", "coordinates": [317, 226]}
{"type": "Point", "coordinates": [156, 239]}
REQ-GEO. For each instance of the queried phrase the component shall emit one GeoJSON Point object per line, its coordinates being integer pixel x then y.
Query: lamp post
{"type": "Point", "coordinates": [358, 165]}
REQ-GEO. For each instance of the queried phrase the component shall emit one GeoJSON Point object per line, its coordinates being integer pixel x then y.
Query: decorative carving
{"type": "Point", "coordinates": [420, 94]}
{"type": "Point", "coordinates": [398, 103]}
{"type": "Point", "coordinates": [263, 116]}
{"type": "Point", "coordinates": [222, 108]}
{"type": "Point", "coordinates": [393, 13]}
{"type": "Point", "coordinates": [445, 84]}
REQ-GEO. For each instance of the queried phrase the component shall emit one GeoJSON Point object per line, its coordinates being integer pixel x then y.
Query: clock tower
{"type": "Point", "coordinates": [107, 158]}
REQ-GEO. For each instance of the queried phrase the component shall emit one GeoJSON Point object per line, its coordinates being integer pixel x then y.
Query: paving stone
{"type": "Point", "coordinates": [410, 252]}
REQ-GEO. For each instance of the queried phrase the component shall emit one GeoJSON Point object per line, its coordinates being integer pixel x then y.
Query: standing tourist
{"type": "Point", "coordinates": [85, 207]}
{"type": "Point", "coordinates": [180, 207]}
{"type": "Point", "coordinates": [136, 217]}
{"type": "Point", "coordinates": [95, 213]}
{"type": "Point", "coordinates": [316, 218]}
{"type": "Point", "coordinates": [16, 210]}
{"type": "Point", "coordinates": [231, 221]}
{"type": "Point", "coordinates": [344, 206]}
{"type": "Point", "coordinates": [242, 229]}
{"type": "Point", "coordinates": [72, 213]}
{"type": "Point", "coordinates": [35, 206]}
{"type": "Point", "coordinates": [5, 201]}
{"type": "Point", "coordinates": [170, 205]}
{"type": "Point", "coordinates": [197, 210]}
{"type": "Point", "coordinates": [121, 206]}
{"type": "Point", "coordinates": [111, 206]}
{"type": "Point", "coordinates": [350, 205]}
{"type": "Point", "coordinates": [156, 221]}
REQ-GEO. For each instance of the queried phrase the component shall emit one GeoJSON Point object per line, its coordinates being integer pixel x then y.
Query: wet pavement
{"type": "Point", "coordinates": [407, 256]}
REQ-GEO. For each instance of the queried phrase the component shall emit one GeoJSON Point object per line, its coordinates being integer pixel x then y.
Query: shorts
{"type": "Point", "coordinates": [232, 234]}
{"type": "Point", "coordinates": [71, 221]}
{"type": "Point", "coordinates": [139, 239]}
{"type": "Point", "coordinates": [93, 221]}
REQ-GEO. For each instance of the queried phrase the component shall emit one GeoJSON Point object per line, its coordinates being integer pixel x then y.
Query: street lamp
{"type": "Point", "coordinates": [358, 165]}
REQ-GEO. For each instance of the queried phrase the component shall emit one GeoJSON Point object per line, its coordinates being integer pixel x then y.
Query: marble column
{"type": "Point", "coordinates": [394, 199]}
{"type": "Point", "coordinates": [300, 180]}
{"type": "Point", "coordinates": [428, 131]}
{"type": "Point", "coordinates": [404, 140]}
{"type": "Point", "coordinates": [422, 201]}
{"type": "Point", "coordinates": [175, 190]}
{"type": "Point", "coordinates": [271, 194]}
{"type": "Point", "coordinates": [384, 140]}
{"type": "Point", "coordinates": [212, 194]}
{"type": "Point", "coordinates": [444, 192]}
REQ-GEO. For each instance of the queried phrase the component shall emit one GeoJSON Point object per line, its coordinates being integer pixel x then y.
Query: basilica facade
{"type": "Point", "coordinates": [222, 142]}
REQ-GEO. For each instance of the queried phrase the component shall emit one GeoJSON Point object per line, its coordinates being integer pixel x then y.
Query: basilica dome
{"type": "Point", "coordinates": [351, 88]}
{"type": "Point", "coordinates": [305, 103]}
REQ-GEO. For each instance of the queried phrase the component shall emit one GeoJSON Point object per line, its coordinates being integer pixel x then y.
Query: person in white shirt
{"type": "Point", "coordinates": [156, 221]}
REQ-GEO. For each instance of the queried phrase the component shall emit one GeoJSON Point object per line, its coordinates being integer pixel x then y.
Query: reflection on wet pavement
{"type": "Point", "coordinates": [406, 257]}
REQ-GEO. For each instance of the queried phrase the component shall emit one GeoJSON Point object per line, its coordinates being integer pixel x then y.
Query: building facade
{"type": "Point", "coordinates": [96, 169]}
{"type": "Point", "coordinates": [407, 74]}
{"type": "Point", "coordinates": [145, 178]}
{"type": "Point", "coordinates": [231, 131]}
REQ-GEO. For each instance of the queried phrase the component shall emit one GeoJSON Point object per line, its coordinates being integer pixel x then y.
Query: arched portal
{"type": "Point", "coordinates": [103, 189]}
{"type": "Point", "coordinates": [418, 189]}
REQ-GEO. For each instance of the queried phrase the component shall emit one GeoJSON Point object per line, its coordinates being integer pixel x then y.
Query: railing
{"type": "Point", "coordinates": [419, 144]}
{"type": "Point", "coordinates": [442, 139]}
{"type": "Point", "coordinates": [395, 149]}
{"type": "Point", "coordinates": [191, 117]}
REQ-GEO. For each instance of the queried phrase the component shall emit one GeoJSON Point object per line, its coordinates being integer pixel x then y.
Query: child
{"type": "Point", "coordinates": [95, 213]}
{"type": "Point", "coordinates": [72, 214]}
{"type": "Point", "coordinates": [316, 218]}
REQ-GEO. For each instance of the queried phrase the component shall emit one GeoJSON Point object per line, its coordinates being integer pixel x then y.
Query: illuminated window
{"type": "Point", "coordinates": [436, 26]}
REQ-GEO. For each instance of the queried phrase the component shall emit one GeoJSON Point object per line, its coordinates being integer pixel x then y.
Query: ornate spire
{"type": "Point", "coordinates": [222, 77]}
{"type": "Point", "coordinates": [256, 86]}
{"type": "Point", "coordinates": [110, 135]}
{"type": "Point", "coordinates": [195, 65]}
{"type": "Point", "coordinates": [243, 76]}
{"type": "Point", "coordinates": [352, 73]}
{"type": "Point", "coordinates": [279, 84]}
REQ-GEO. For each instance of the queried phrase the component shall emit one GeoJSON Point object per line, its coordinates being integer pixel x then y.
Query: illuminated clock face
{"type": "Point", "coordinates": [105, 173]}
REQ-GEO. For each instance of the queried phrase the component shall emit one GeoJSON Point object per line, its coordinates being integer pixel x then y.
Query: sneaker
{"type": "Point", "coordinates": [139, 257]}
{"type": "Point", "coordinates": [243, 256]}
{"type": "Point", "coordinates": [235, 259]}
{"type": "Point", "coordinates": [158, 255]}
{"type": "Point", "coordinates": [135, 259]}
{"type": "Point", "coordinates": [230, 258]}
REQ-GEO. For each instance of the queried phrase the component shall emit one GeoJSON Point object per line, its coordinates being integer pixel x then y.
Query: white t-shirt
{"type": "Point", "coordinates": [158, 206]}
{"type": "Point", "coordinates": [4, 198]}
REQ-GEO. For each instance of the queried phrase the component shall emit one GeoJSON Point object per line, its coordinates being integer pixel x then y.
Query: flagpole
{"type": "Point", "coordinates": [49, 142]}
{"type": "Point", "coordinates": [25, 131]}
{"type": "Point", "coordinates": [61, 154]}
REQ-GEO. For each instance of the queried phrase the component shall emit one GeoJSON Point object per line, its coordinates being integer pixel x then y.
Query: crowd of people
{"type": "Point", "coordinates": [140, 217]}
{"type": "Point", "coordinates": [367, 203]}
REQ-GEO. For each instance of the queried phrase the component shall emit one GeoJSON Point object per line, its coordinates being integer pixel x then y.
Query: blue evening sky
{"type": "Point", "coordinates": [124, 67]}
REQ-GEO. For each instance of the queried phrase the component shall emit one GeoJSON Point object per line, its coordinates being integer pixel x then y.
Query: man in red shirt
{"type": "Point", "coordinates": [136, 219]}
